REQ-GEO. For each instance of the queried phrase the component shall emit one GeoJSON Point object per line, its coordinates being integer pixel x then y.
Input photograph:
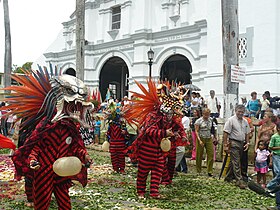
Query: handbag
{"type": "Point", "coordinates": [218, 105]}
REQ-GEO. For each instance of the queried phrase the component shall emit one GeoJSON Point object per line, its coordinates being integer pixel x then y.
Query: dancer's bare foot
{"type": "Point", "coordinates": [29, 204]}
{"type": "Point", "coordinates": [122, 172]}
{"type": "Point", "coordinates": [141, 197]}
{"type": "Point", "coordinates": [156, 196]}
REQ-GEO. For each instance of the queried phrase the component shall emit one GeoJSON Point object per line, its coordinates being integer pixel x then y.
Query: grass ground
{"type": "Point", "coordinates": [108, 190]}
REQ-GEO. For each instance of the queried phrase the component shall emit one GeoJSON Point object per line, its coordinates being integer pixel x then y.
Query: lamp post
{"type": "Point", "coordinates": [150, 57]}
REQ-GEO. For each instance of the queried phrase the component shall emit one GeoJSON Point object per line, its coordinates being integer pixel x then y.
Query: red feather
{"type": "Point", "coordinates": [145, 102]}
{"type": "Point", "coordinates": [6, 143]}
{"type": "Point", "coordinates": [26, 100]}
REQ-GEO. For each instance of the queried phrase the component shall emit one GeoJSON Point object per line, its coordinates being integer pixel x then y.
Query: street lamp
{"type": "Point", "coordinates": [150, 57]}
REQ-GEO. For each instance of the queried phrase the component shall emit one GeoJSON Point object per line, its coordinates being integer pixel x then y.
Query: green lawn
{"type": "Point", "coordinates": [107, 190]}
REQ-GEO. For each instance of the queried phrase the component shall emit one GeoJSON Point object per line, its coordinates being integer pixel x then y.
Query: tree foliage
{"type": "Point", "coordinates": [21, 69]}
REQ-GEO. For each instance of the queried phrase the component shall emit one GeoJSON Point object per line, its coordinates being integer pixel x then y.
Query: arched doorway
{"type": "Point", "coordinates": [114, 75]}
{"type": "Point", "coordinates": [176, 68]}
{"type": "Point", "coordinates": [70, 71]}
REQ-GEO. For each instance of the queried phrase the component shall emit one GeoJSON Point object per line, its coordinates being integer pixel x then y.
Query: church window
{"type": "Point", "coordinates": [242, 49]}
{"type": "Point", "coordinates": [116, 17]}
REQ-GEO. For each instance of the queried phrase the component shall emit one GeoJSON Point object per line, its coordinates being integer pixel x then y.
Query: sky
{"type": "Point", "coordinates": [35, 24]}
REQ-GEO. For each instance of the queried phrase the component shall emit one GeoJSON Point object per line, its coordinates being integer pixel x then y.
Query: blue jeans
{"type": "Point", "coordinates": [182, 167]}
{"type": "Point", "coordinates": [276, 180]}
{"type": "Point", "coordinates": [277, 197]}
{"type": "Point", "coordinates": [276, 168]}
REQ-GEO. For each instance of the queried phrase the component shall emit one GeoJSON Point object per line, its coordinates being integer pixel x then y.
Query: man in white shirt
{"type": "Point", "coordinates": [195, 101]}
{"type": "Point", "coordinates": [236, 141]}
{"type": "Point", "coordinates": [186, 122]}
{"type": "Point", "coordinates": [213, 104]}
{"type": "Point", "coordinates": [125, 101]}
{"type": "Point", "coordinates": [111, 100]}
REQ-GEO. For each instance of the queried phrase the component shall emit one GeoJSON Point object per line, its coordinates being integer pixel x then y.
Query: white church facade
{"type": "Point", "coordinates": [186, 38]}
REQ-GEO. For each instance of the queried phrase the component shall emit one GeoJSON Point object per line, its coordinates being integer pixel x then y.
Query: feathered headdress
{"type": "Point", "coordinates": [26, 100]}
{"type": "Point", "coordinates": [160, 98]}
{"type": "Point", "coordinates": [48, 96]}
{"type": "Point", "coordinates": [143, 103]}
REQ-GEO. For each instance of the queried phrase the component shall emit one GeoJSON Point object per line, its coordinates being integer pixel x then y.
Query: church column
{"type": "Point", "coordinates": [184, 12]}
{"type": "Point", "coordinates": [165, 8]}
{"type": "Point", "coordinates": [126, 18]}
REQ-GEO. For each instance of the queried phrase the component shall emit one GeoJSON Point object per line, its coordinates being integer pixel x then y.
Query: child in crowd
{"type": "Point", "coordinates": [97, 126]}
{"type": "Point", "coordinates": [118, 105]}
{"type": "Point", "coordinates": [261, 166]}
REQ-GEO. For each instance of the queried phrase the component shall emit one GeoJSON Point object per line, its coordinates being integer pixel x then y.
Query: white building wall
{"type": "Point", "coordinates": [92, 21]}
{"type": "Point", "coordinates": [263, 73]}
{"type": "Point", "coordinates": [214, 79]}
{"type": "Point", "coordinates": [264, 33]}
{"type": "Point", "coordinates": [198, 10]}
{"type": "Point", "coordinates": [146, 23]}
{"type": "Point", "coordinates": [125, 20]}
{"type": "Point", "coordinates": [277, 44]}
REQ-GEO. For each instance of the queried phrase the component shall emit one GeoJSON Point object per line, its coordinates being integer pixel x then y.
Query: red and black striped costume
{"type": "Point", "coordinates": [28, 186]}
{"type": "Point", "coordinates": [170, 156]}
{"type": "Point", "coordinates": [46, 146]}
{"type": "Point", "coordinates": [150, 156]}
{"type": "Point", "coordinates": [147, 110]}
{"type": "Point", "coordinates": [116, 135]}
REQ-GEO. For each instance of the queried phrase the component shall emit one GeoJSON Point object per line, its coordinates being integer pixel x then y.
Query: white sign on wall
{"type": "Point", "coordinates": [238, 74]}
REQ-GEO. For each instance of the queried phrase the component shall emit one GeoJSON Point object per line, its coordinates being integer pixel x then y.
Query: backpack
{"type": "Point", "coordinates": [218, 106]}
{"type": "Point", "coordinates": [214, 123]}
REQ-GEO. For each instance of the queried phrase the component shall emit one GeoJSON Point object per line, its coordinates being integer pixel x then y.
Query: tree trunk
{"type": "Point", "coordinates": [80, 38]}
{"type": "Point", "coordinates": [230, 31]}
{"type": "Point", "coordinates": [8, 48]}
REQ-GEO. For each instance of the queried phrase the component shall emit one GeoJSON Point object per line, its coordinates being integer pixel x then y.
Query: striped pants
{"type": "Point", "coordinates": [145, 166]}
{"type": "Point", "coordinates": [28, 187]}
{"type": "Point", "coordinates": [118, 160]}
{"type": "Point", "coordinates": [169, 166]}
{"type": "Point", "coordinates": [44, 185]}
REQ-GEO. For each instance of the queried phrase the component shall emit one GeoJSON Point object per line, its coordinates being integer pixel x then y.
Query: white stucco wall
{"type": "Point", "coordinates": [146, 23]}
{"type": "Point", "coordinates": [263, 74]}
